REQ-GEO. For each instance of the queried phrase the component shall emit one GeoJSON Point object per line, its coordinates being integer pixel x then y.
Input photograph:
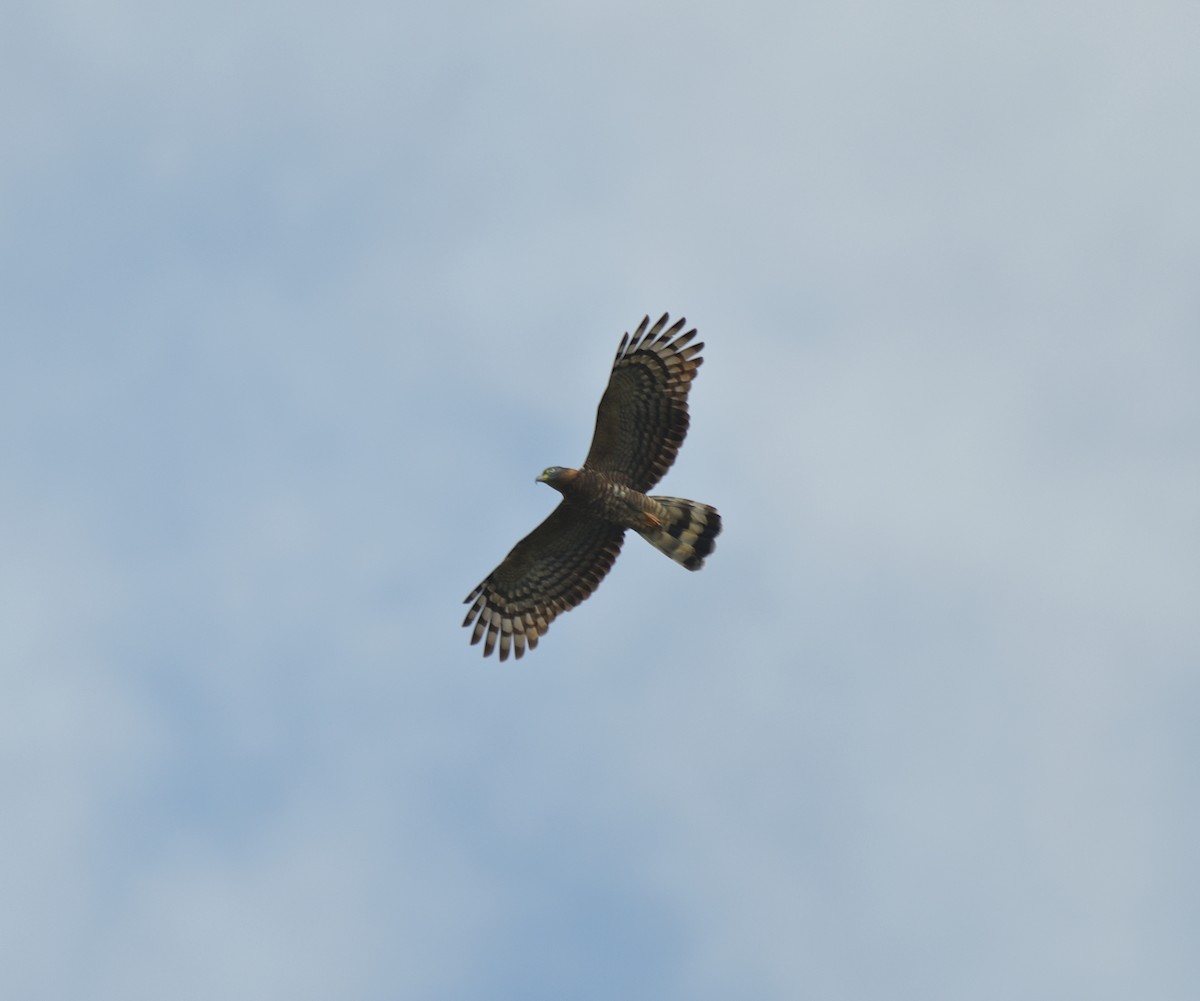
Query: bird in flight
{"type": "Point", "coordinates": [641, 422]}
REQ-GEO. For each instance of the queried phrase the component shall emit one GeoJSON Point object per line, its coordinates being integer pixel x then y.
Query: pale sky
{"type": "Point", "coordinates": [298, 299]}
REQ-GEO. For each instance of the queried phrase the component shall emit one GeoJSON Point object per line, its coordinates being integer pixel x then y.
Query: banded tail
{"type": "Point", "coordinates": [688, 532]}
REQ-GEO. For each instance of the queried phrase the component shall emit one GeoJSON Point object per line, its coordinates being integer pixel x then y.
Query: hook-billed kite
{"type": "Point", "coordinates": [641, 422]}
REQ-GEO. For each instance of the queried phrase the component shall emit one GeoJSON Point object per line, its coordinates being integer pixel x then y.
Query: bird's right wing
{"type": "Point", "coordinates": [643, 415]}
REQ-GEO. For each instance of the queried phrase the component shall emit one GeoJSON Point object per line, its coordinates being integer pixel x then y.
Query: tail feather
{"type": "Point", "coordinates": [688, 532]}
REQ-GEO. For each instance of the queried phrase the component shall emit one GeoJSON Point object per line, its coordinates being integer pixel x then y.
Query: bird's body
{"type": "Point", "coordinates": [600, 496]}
{"type": "Point", "coordinates": [656, 519]}
{"type": "Point", "coordinates": [640, 424]}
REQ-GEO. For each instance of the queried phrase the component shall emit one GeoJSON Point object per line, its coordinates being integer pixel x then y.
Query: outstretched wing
{"type": "Point", "coordinates": [551, 570]}
{"type": "Point", "coordinates": [643, 415]}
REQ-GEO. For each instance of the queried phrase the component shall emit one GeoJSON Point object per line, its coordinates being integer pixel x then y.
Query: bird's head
{"type": "Point", "coordinates": [557, 476]}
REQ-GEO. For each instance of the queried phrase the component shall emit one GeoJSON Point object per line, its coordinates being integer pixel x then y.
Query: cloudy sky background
{"type": "Point", "coordinates": [298, 299]}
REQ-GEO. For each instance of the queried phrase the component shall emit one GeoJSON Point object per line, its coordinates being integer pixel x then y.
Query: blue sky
{"type": "Point", "coordinates": [297, 301]}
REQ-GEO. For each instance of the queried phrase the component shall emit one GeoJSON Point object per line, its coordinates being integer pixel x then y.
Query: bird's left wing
{"type": "Point", "coordinates": [551, 570]}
